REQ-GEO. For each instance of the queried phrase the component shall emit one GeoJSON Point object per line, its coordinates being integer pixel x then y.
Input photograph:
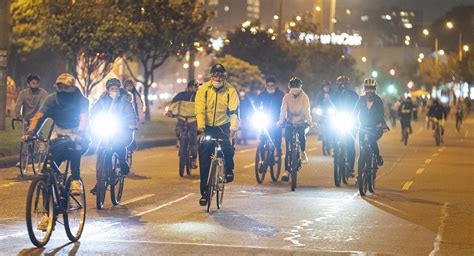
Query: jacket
{"type": "Point", "coordinates": [138, 106]}
{"type": "Point", "coordinates": [373, 116]}
{"type": "Point", "coordinates": [295, 110]}
{"type": "Point", "coordinates": [405, 111]}
{"type": "Point", "coordinates": [270, 103]}
{"type": "Point", "coordinates": [437, 111]}
{"type": "Point", "coordinates": [29, 102]}
{"type": "Point", "coordinates": [122, 107]}
{"type": "Point", "coordinates": [183, 105]}
{"type": "Point", "coordinates": [345, 100]}
{"type": "Point", "coordinates": [217, 107]}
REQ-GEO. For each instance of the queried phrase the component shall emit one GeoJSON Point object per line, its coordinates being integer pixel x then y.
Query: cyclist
{"type": "Point", "coordinates": [116, 101]}
{"type": "Point", "coordinates": [137, 101]}
{"type": "Point", "coordinates": [459, 115]}
{"type": "Point", "coordinates": [295, 109]}
{"type": "Point", "coordinates": [405, 112]}
{"type": "Point", "coordinates": [438, 112]}
{"type": "Point", "coordinates": [370, 111]}
{"type": "Point", "coordinates": [345, 100]}
{"type": "Point", "coordinates": [269, 102]}
{"type": "Point", "coordinates": [216, 111]}
{"type": "Point", "coordinates": [30, 99]}
{"type": "Point", "coordinates": [69, 110]}
{"type": "Point", "coordinates": [182, 106]}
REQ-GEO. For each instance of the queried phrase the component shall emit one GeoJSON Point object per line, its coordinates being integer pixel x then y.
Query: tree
{"type": "Point", "coordinates": [429, 73]}
{"type": "Point", "coordinates": [262, 49]}
{"type": "Point", "coordinates": [89, 34]}
{"type": "Point", "coordinates": [240, 73]}
{"type": "Point", "coordinates": [163, 28]}
{"type": "Point", "coordinates": [467, 68]}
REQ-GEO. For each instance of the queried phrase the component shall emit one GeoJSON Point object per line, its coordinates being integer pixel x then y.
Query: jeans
{"type": "Point", "coordinates": [288, 138]}
{"type": "Point", "coordinates": [405, 123]}
{"type": "Point", "coordinates": [206, 149]}
{"type": "Point", "coordinates": [63, 149]}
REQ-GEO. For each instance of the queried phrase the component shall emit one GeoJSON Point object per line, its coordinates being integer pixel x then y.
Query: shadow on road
{"type": "Point", "coordinates": [236, 221]}
{"type": "Point", "coordinates": [62, 250]}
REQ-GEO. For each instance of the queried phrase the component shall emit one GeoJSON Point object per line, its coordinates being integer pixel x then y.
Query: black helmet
{"type": "Point", "coordinates": [271, 79]}
{"type": "Point", "coordinates": [193, 82]}
{"type": "Point", "coordinates": [218, 69]}
{"type": "Point", "coordinates": [325, 83]}
{"type": "Point", "coordinates": [127, 82]}
{"type": "Point", "coordinates": [342, 80]}
{"type": "Point", "coordinates": [295, 82]}
{"type": "Point", "coordinates": [112, 81]}
{"type": "Point", "coordinates": [32, 77]}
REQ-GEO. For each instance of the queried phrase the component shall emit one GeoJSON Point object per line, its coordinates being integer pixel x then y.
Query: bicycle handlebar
{"type": "Point", "coordinates": [14, 120]}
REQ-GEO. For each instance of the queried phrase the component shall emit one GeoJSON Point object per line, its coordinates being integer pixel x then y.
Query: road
{"type": "Point", "coordinates": [423, 206]}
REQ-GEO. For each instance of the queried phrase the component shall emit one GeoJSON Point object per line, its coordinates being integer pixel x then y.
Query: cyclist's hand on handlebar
{"type": "Point", "coordinates": [200, 135]}
{"type": "Point", "coordinates": [232, 134]}
{"type": "Point", "coordinates": [27, 137]}
{"type": "Point", "coordinates": [168, 114]}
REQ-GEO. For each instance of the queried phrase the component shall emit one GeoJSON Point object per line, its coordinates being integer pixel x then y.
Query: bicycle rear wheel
{"type": "Point", "coordinates": [117, 181]}
{"type": "Point", "coordinates": [211, 183]}
{"type": "Point", "coordinates": [103, 165]}
{"type": "Point", "coordinates": [183, 155]}
{"type": "Point", "coordinates": [275, 169]}
{"type": "Point", "coordinates": [24, 156]}
{"type": "Point", "coordinates": [294, 168]}
{"type": "Point", "coordinates": [75, 213]}
{"type": "Point", "coordinates": [260, 163]}
{"type": "Point", "coordinates": [39, 205]}
{"type": "Point", "coordinates": [438, 136]}
{"type": "Point", "coordinates": [337, 167]}
{"type": "Point", "coordinates": [371, 175]}
{"type": "Point", "coordinates": [220, 186]}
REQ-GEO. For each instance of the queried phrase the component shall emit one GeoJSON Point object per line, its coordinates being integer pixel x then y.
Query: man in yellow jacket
{"type": "Point", "coordinates": [216, 107]}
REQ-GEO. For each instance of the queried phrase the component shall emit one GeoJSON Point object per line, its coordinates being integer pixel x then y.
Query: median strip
{"type": "Point", "coordinates": [407, 185]}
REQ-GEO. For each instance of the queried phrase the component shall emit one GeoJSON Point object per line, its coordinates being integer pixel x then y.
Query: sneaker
{"type": "Point", "coordinates": [94, 190]}
{"type": "Point", "coordinates": [229, 177]}
{"type": "Point", "coordinates": [304, 157]}
{"type": "Point", "coordinates": [379, 160]}
{"type": "Point", "coordinates": [124, 168]}
{"type": "Point", "coordinates": [17, 164]}
{"type": "Point", "coordinates": [194, 163]}
{"type": "Point", "coordinates": [351, 174]}
{"type": "Point", "coordinates": [76, 187]}
{"type": "Point", "coordinates": [203, 200]}
{"type": "Point", "coordinates": [285, 177]}
{"type": "Point", "coordinates": [43, 225]}
{"type": "Point", "coordinates": [177, 144]}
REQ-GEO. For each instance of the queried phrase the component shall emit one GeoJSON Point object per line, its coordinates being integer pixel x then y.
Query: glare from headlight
{"type": "Point", "coordinates": [343, 122]}
{"type": "Point", "coordinates": [260, 120]}
{"type": "Point", "coordinates": [105, 125]}
{"type": "Point", "coordinates": [319, 111]}
{"type": "Point", "coordinates": [331, 111]}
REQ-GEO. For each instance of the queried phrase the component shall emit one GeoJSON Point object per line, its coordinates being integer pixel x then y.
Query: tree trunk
{"type": "Point", "coordinates": [147, 102]}
{"type": "Point", "coordinates": [4, 38]}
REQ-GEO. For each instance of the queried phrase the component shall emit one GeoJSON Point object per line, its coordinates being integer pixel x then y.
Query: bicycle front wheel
{"type": "Point", "coordinates": [362, 177]}
{"type": "Point", "coordinates": [220, 186]}
{"type": "Point", "coordinates": [211, 184]}
{"type": "Point", "coordinates": [40, 211]}
{"type": "Point", "coordinates": [260, 164]}
{"type": "Point", "coordinates": [75, 213]}
{"type": "Point", "coordinates": [117, 181]}
{"type": "Point", "coordinates": [337, 168]}
{"type": "Point", "coordinates": [275, 169]}
{"type": "Point", "coordinates": [294, 169]}
{"type": "Point", "coordinates": [183, 155]}
{"type": "Point", "coordinates": [103, 165]}
{"type": "Point", "coordinates": [406, 133]}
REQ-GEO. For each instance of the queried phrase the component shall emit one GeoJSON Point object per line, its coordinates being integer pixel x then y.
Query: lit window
{"type": "Point", "coordinates": [364, 18]}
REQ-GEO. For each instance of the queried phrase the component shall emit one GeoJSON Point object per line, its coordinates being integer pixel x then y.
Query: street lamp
{"type": "Point", "coordinates": [426, 32]}
{"type": "Point", "coordinates": [441, 52]}
{"type": "Point", "coordinates": [450, 25]}
{"type": "Point", "coordinates": [465, 48]}
{"type": "Point", "coordinates": [392, 72]}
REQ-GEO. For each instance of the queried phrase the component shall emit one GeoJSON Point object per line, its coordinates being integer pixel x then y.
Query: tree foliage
{"type": "Point", "coordinates": [89, 34]}
{"type": "Point", "coordinates": [241, 73]}
{"type": "Point", "coordinates": [163, 28]}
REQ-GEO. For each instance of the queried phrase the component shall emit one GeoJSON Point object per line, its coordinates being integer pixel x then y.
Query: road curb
{"type": "Point", "coordinates": [10, 161]}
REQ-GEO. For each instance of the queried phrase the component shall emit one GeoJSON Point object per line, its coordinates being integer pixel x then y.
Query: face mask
{"type": "Point", "coordinates": [216, 84]}
{"type": "Point", "coordinates": [65, 97]}
{"type": "Point", "coordinates": [295, 91]}
{"type": "Point", "coordinates": [370, 95]}
{"type": "Point", "coordinates": [271, 90]}
{"type": "Point", "coordinates": [114, 95]}
{"type": "Point", "coordinates": [34, 89]}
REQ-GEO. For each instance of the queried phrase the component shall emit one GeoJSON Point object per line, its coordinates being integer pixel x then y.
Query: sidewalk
{"type": "Point", "coordinates": [10, 161]}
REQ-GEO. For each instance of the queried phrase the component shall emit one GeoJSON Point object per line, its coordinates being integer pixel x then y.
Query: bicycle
{"type": "Point", "coordinates": [50, 195]}
{"type": "Point", "coordinates": [438, 134]}
{"type": "Point", "coordinates": [265, 159]}
{"type": "Point", "coordinates": [185, 153]}
{"type": "Point", "coordinates": [343, 125]}
{"type": "Point", "coordinates": [108, 172]}
{"type": "Point", "coordinates": [406, 134]}
{"type": "Point", "coordinates": [367, 164]}
{"type": "Point", "coordinates": [294, 153]}
{"type": "Point", "coordinates": [216, 178]}
{"type": "Point", "coordinates": [32, 152]}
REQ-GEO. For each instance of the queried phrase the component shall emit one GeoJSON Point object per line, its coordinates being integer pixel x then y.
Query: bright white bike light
{"type": "Point", "coordinates": [260, 120]}
{"type": "Point", "coordinates": [105, 125]}
{"type": "Point", "coordinates": [343, 122]}
{"type": "Point", "coordinates": [318, 111]}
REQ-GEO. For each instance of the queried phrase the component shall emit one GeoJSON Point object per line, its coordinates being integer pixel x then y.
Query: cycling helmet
{"type": "Point", "coordinates": [325, 83]}
{"type": "Point", "coordinates": [369, 82]}
{"type": "Point", "coordinates": [271, 79]}
{"type": "Point", "coordinates": [127, 82]}
{"type": "Point", "coordinates": [342, 80]}
{"type": "Point", "coordinates": [112, 81]}
{"type": "Point", "coordinates": [32, 77]}
{"type": "Point", "coordinates": [193, 82]}
{"type": "Point", "coordinates": [295, 82]}
{"type": "Point", "coordinates": [218, 69]}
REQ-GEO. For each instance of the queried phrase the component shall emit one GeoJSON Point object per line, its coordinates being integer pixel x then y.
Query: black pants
{"type": "Point", "coordinates": [374, 136]}
{"type": "Point", "coordinates": [206, 149]}
{"type": "Point", "coordinates": [121, 143]}
{"type": "Point", "coordinates": [63, 149]}
{"type": "Point", "coordinates": [404, 122]}
{"type": "Point", "coordinates": [192, 133]}
{"type": "Point", "coordinates": [350, 149]}
{"type": "Point", "coordinates": [288, 137]}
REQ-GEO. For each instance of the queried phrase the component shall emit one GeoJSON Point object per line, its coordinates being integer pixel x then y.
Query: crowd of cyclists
{"type": "Point", "coordinates": [209, 109]}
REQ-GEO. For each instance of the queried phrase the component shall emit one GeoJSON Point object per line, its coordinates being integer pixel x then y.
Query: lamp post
{"type": "Point", "coordinates": [426, 32]}
{"type": "Point", "coordinates": [450, 26]}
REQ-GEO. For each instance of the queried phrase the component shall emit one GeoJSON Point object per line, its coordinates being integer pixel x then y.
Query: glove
{"type": "Point", "coordinates": [200, 135]}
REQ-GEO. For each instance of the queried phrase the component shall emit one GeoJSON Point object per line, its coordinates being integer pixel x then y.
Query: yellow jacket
{"type": "Point", "coordinates": [183, 106]}
{"type": "Point", "coordinates": [216, 108]}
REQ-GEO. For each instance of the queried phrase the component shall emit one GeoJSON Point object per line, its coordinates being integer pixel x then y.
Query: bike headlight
{"type": "Point", "coordinates": [260, 120]}
{"type": "Point", "coordinates": [105, 125]}
{"type": "Point", "coordinates": [331, 111]}
{"type": "Point", "coordinates": [343, 122]}
{"type": "Point", "coordinates": [318, 111]}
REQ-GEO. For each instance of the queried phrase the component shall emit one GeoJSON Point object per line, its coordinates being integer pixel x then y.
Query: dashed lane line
{"type": "Point", "coordinates": [420, 170]}
{"type": "Point", "coordinates": [435, 155]}
{"type": "Point", "coordinates": [136, 199]}
{"type": "Point", "coordinates": [407, 185]}
{"type": "Point", "coordinates": [246, 150]}
{"type": "Point", "coordinates": [312, 149]}
{"type": "Point", "coordinates": [163, 205]}
{"type": "Point", "coordinates": [249, 166]}
{"type": "Point", "coordinates": [6, 185]}
{"type": "Point", "coordinates": [427, 161]}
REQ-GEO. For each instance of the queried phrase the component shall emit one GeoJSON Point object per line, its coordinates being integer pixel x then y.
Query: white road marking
{"type": "Point", "coordinates": [245, 150]}
{"type": "Point", "coordinates": [407, 185]}
{"type": "Point", "coordinates": [442, 225]}
{"type": "Point", "coordinates": [427, 161]}
{"type": "Point", "coordinates": [195, 181]}
{"type": "Point", "coordinates": [312, 149]}
{"type": "Point", "coordinates": [354, 196]}
{"type": "Point", "coordinates": [6, 185]}
{"type": "Point", "coordinates": [420, 170]}
{"type": "Point", "coordinates": [13, 235]}
{"type": "Point", "coordinates": [133, 200]}
{"type": "Point", "coordinates": [249, 166]}
{"type": "Point", "coordinates": [163, 205]}
{"type": "Point", "coordinates": [435, 155]}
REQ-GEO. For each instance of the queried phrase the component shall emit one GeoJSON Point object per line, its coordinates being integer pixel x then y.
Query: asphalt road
{"type": "Point", "coordinates": [423, 205]}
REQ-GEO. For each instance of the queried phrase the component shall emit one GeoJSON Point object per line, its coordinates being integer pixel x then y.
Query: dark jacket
{"type": "Point", "coordinates": [122, 107]}
{"type": "Point", "coordinates": [437, 111]}
{"type": "Point", "coordinates": [373, 116]}
{"type": "Point", "coordinates": [405, 111]}
{"type": "Point", "coordinates": [345, 100]}
{"type": "Point", "coordinates": [270, 103]}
